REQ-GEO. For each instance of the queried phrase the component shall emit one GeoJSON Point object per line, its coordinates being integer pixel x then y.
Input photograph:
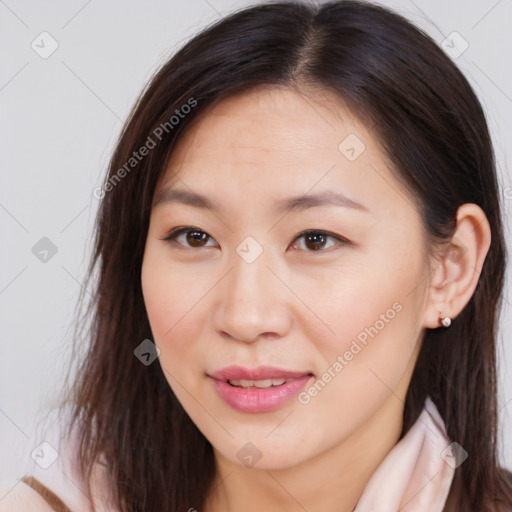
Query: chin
{"type": "Point", "coordinates": [264, 454]}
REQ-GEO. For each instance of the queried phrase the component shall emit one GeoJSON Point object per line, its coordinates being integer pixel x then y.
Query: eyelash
{"type": "Point", "coordinates": [171, 237]}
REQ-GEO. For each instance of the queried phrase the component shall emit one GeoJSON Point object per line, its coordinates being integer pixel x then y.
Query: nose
{"type": "Point", "coordinates": [252, 302]}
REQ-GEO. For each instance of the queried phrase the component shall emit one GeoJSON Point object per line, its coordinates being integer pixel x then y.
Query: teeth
{"type": "Point", "coordinates": [242, 383]}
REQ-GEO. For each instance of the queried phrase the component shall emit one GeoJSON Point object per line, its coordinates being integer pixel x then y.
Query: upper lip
{"type": "Point", "coordinates": [259, 373]}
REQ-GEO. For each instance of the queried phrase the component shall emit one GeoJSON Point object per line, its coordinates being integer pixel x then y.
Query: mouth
{"type": "Point", "coordinates": [260, 389]}
{"type": "Point", "coordinates": [260, 384]}
{"type": "Point", "coordinates": [260, 377]}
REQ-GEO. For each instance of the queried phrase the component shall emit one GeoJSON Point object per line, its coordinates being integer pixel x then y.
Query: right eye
{"type": "Point", "coordinates": [194, 236]}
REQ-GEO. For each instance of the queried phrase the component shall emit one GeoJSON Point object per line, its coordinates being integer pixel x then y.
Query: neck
{"type": "Point", "coordinates": [332, 481]}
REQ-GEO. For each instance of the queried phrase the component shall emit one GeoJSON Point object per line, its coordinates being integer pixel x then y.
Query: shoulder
{"type": "Point", "coordinates": [21, 498]}
{"type": "Point", "coordinates": [54, 479]}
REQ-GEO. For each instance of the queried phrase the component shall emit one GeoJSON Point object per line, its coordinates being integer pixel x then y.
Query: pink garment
{"type": "Point", "coordinates": [64, 478]}
{"type": "Point", "coordinates": [415, 476]}
{"type": "Point", "coordinates": [417, 473]}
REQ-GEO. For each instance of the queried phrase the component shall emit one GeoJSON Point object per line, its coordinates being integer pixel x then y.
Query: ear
{"type": "Point", "coordinates": [457, 269]}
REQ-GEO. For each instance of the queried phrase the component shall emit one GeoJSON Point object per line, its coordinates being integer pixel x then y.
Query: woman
{"type": "Point", "coordinates": [301, 262]}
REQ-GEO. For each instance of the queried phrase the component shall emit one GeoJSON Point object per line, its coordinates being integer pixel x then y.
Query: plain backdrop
{"type": "Point", "coordinates": [59, 120]}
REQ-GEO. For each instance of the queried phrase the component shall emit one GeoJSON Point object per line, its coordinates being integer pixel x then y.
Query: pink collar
{"type": "Point", "coordinates": [417, 473]}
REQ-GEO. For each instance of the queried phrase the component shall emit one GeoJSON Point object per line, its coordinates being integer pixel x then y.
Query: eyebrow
{"type": "Point", "coordinates": [296, 203]}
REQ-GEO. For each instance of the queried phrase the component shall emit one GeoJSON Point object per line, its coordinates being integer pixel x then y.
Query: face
{"type": "Point", "coordinates": [243, 299]}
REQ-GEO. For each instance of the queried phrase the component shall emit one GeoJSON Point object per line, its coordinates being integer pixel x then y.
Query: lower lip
{"type": "Point", "coordinates": [259, 399]}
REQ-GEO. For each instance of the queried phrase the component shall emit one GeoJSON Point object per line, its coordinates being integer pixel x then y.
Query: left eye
{"type": "Point", "coordinates": [315, 240]}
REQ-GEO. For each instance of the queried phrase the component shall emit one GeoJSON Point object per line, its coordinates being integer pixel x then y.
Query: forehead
{"type": "Point", "coordinates": [285, 123]}
{"type": "Point", "coordinates": [273, 142]}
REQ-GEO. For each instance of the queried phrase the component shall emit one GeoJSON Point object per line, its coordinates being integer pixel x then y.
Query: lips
{"type": "Point", "coordinates": [261, 389]}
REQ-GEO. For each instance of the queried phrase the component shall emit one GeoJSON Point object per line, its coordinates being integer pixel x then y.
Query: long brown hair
{"type": "Point", "coordinates": [433, 130]}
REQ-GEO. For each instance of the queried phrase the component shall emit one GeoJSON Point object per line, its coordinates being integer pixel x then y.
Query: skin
{"type": "Point", "coordinates": [294, 307]}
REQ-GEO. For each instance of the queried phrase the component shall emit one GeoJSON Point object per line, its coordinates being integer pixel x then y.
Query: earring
{"type": "Point", "coordinates": [445, 321]}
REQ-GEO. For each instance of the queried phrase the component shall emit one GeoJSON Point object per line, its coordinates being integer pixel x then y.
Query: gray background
{"type": "Point", "coordinates": [59, 119]}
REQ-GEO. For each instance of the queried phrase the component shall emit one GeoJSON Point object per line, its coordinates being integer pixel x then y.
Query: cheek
{"type": "Point", "coordinates": [375, 324]}
{"type": "Point", "coordinates": [163, 296]}
{"type": "Point", "coordinates": [168, 320]}
{"type": "Point", "coordinates": [364, 304]}
{"type": "Point", "coordinates": [173, 301]}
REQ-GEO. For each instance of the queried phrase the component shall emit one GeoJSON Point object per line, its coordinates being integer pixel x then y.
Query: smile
{"type": "Point", "coordinates": [258, 390]}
